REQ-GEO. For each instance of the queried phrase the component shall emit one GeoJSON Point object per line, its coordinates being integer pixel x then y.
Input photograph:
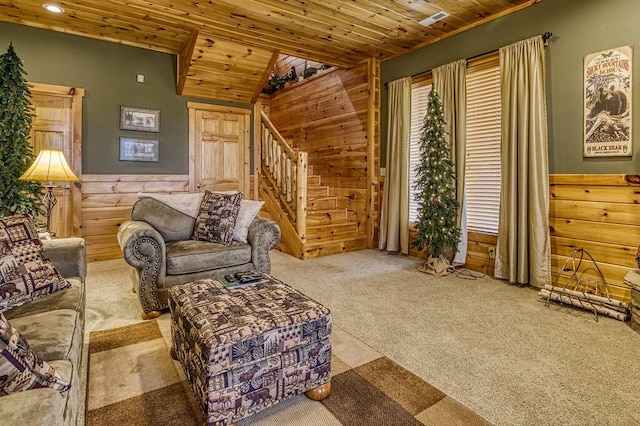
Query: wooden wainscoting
{"type": "Point", "coordinates": [478, 258]}
{"type": "Point", "coordinates": [107, 202]}
{"type": "Point", "coordinates": [600, 214]}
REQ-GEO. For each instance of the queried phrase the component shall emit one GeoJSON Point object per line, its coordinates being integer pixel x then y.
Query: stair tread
{"type": "Point", "coordinates": [327, 197]}
{"type": "Point", "coordinates": [314, 192]}
{"type": "Point", "coordinates": [333, 225]}
{"type": "Point", "coordinates": [354, 238]}
{"type": "Point", "coordinates": [321, 212]}
{"type": "Point", "coordinates": [314, 242]}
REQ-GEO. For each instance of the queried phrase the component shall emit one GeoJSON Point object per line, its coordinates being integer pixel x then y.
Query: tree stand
{"type": "Point", "coordinates": [438, 266]}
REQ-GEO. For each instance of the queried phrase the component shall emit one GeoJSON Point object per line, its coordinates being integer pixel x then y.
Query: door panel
{"type": "Point", "coordinates": [47, 140]}
{"type": "Point", "coordinates": [219, 148]}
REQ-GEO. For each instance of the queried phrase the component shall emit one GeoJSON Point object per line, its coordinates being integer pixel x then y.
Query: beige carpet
{"type": "Point", "coordinates": [494, 348]}
{"type": "Point", "coordinates": [133, 381]}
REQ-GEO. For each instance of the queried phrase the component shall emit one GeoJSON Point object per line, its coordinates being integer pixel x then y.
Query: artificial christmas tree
{"type": "Point", "coordinates": [16, 154]}
{"type": "Point", "coordinates": [436, 225]}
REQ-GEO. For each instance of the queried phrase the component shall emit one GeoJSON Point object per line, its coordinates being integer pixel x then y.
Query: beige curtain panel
{"type": "Point", "coordinates": [523, 249]}
{"type": "Point", "coordinates": [449, 83]}
{"type": "Point", "coordinates": [394, 217]}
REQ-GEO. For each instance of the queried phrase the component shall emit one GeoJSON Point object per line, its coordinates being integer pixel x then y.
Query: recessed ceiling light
{"type": "Point", "coordinates": [53, 8]}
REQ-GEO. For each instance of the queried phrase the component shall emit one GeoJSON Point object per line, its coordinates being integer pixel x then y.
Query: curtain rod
{"type": "Point", "coordinates": [545, 37]}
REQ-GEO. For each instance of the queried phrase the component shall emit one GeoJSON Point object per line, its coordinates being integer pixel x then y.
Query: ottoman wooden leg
{"type": "Point", "coordinates": [319, 393]}
{"type": "Point", "coordinates": [150, 315]}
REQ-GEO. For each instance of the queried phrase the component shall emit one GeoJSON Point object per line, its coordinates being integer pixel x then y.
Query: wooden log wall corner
{"type": "Point", "coordinates": [373, 154]}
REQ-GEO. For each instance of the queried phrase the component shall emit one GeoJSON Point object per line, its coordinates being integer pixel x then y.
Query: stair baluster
{"type": "Point", "coordinates": [285, 169]}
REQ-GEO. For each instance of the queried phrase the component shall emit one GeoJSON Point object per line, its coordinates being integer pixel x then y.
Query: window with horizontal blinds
{"type": "Point", "coordinates": [482, 168]}
{"type": "Point", "coordinates": [420, 89]}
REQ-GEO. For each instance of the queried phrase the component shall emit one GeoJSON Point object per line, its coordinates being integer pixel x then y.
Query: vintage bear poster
{"type": "Point", "coordinates": [607, 103]}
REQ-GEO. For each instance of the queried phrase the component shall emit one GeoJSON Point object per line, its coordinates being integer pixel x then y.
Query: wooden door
{"type": "Point", "coordinates": [219, 148]}
{"type": "Point", "coordinates": [57, 124]}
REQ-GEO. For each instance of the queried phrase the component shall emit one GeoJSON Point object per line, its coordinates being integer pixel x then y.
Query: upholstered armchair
{"type": "Point", "coordinates": [157, 244]}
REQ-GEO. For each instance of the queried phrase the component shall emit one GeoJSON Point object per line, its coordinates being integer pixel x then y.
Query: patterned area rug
{"type": "Point", "coordinates": [134, 381]}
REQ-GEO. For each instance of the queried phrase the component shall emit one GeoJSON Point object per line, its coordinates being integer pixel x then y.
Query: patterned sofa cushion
{"type": "Point", "coordinates": [25, 271]}
{"type": "Point", "coordinates": [20, 368]}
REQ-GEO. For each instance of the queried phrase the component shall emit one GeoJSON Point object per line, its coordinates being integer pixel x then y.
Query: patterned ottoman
{"type": "Point", "coordinates": [246, 348]}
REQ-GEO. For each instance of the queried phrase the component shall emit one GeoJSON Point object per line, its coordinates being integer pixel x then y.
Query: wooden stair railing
{"type": "Point", "coordinates": [285, 169]}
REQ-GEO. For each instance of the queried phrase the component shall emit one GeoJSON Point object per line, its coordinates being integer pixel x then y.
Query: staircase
{"type": "Point", "coordinates": [314, 220]}
{"type": "Point", "coordinates": [331, 226]}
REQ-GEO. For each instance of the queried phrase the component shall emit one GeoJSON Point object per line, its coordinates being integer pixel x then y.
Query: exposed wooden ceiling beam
{"type": "Point", "coordinates": [184, 61]}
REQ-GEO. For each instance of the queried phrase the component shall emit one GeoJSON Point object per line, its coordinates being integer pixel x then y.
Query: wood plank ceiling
{"type": "Point", "coordinates": [227, 48]}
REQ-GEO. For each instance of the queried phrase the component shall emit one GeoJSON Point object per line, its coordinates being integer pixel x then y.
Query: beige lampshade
{"type": "Point", "coordinates": [50, 165]}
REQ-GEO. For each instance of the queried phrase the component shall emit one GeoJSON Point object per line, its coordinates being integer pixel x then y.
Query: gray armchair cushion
{"type": "Point", "coordinates": [186, 257]}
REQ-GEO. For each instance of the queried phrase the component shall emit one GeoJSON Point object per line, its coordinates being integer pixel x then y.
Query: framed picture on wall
{"type": "Point", "coordinates": [133, 149]}
{"type": "Point", "coordinates": [141, 119]}
{"type": "Point", "coordinates": [608, 103]}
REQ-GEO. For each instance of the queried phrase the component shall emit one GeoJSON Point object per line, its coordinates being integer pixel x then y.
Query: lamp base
{"type": "Point", "coordinates": [49, 201]}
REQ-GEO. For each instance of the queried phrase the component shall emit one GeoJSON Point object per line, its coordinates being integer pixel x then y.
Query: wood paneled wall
{"type": "Point", "coordinates": [599, 213]}
{"type": "Point", "coordinates": [478, 253]}
{"type": "Point", "coordinates": [327, 117]}
{"type": "Point", "coordinates": [107, 202]}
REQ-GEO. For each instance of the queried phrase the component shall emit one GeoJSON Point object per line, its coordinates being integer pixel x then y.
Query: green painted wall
{"type": "Point", "coordinates": [579, 27]}
{"type": "Point", "coordinates": [107, 72]}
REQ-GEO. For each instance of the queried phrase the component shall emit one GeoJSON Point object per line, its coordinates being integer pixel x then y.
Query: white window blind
{"type": "Point", "coordinates": [482, 170]}
{"type": "Point", "coordinates": [419, 93]}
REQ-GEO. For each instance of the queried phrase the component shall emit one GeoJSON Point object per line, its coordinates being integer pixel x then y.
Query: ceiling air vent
{"type": "Point", "coordinates": [434, 18]}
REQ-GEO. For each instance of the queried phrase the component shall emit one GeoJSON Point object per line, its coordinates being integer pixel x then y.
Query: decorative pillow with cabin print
{"type": "Point", "coordinates": [217, 217]}
{"type": "Point", "coordinates": [25, 271]}
{"type": "Point", "coordinates": [20, 368]}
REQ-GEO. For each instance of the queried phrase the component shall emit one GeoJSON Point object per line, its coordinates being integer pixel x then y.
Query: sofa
{"type": "Point", "coordinates": [53, 327]}
{"type": "Point", "coordinates": [157, 244]}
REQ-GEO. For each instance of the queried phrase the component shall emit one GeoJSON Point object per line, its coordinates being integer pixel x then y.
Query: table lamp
{"type": "Point", "coordinates": [50, 166]}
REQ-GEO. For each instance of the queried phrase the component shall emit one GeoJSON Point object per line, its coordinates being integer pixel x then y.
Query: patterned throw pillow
{"type": "Point", "coordinates": [25, 272]}
{"type": "Point", "coordinates": [20, 368]}
{"type": "Point", "coordinates": [217, 217]}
